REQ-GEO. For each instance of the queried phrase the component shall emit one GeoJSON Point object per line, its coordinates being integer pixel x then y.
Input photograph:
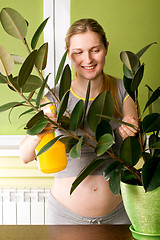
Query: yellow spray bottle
{"type": "Point", "coordinates": [54, 159]}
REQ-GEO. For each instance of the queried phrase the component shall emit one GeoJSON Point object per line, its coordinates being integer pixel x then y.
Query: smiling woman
{"type": "Point", "coordinates": [92, 201]}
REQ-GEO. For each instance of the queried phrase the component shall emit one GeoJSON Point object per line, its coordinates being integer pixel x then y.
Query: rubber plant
{"type": "Point", "coordinates": [143, 149]}
{"type": "Point", "coordinates": [31, 89]}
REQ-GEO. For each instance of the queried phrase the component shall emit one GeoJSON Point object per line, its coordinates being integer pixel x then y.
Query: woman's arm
{"type": "Point", "coordinates": [129, 116]}
{"type": "Point", "coordinates": [27, 148]}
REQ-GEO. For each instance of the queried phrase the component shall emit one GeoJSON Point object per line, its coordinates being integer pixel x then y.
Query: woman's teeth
{"type": "Point", "coordinates": [89, 68]}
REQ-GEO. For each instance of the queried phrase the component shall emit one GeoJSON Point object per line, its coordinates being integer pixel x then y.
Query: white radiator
{"type": "Point", "coordinates": [23, 206]}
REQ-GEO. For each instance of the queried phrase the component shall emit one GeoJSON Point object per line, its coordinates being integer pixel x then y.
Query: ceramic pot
{"type": "Point", "coordinates": [143, 209]}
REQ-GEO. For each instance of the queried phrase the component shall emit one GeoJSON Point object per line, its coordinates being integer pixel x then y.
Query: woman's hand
{"type": "Point", "coordinates": [29, 143]}
{"type": "Point", "coordinates": [50, 127]}
{"type": "Point", "coordinates": [126, 131]}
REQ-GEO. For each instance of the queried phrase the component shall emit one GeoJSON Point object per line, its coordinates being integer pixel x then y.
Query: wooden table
{"type": "Point", "coordinates": [65, 232]}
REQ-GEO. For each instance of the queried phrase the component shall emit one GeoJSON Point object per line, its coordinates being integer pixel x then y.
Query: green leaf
{"type": "Point", "coordinates": [151, 173]}
{"type": "Point", "coordinates": [13, 23]}
{"type": "Point", "coordinates": [41, 91]}
{"type": "Point", "coordinates": [69, 142]}
{"type": "Point", "coordinates": [104, 143]}
{"type": "Point", "coordinates": [128, 177]}
{"type": "Point", "coordinates": [32, 110]}
{"type": "Point", "coordinates": [150, 91]}
{"type": "Point", "coordinates": [85, 172]}
{"type": "Point", "coordinates": [9, 105]}
{"type": "Point", "coordinates": [127, 84]}
{"type": "Point", "coordinates": [41, 57]}
{"type": "Point", "coordinates": [130, 150]}
{"type": "Point", "coordinates": [10, 111]}
{"type": "Point", "coordinates": [62, 106]}
{"type": "Point", "coordinates": [103, 128]}
{"type": "Point", "coordinates": [37, 127]}
{"type": "Point", "coordinates": [155, 106]}
{"type": "Point", "coordinates": [38, 33]}
{"type": "Point", "coordinates": [65, 82]}
{"type": "Point", "coordinates": [33, 82]}
{"type": "Point", "coordinates": [86, 102]}
{"type": "Point", "coordinates": [154, 142]}
{"type": "Point", "coordinates": [64, 121]}
{"type": "Point", "coordinates": [127, 72]}
{"type": "Point", "coordinates": [60, 68]}
{"type": "Point", "coordinates": [34, 119]}
{"type": "Point", "coordinates": [76, 115]}
{"type": "Point", "coordinates": [6, 62]}
{"type": "Point", "coordinates": [130, 60]}
{"type": "Point", "coordinates": [156, 145]}
{"type": "Point", "coordinates": [143, 50]}
{"type": "Point", "coordinates": [26, 112]}
{"type": "Point", "coordinates": [3, 79]}
{"type": "Point", "coordinates": [26, 68]}
{"type": "Point", "coordinates": [151, 123]}
{"type": "Point", "coordinates": [137, 78]}
{"type": "Point", "coordinates": [102, 105]}
{"type": "Point", "coordinates": [114, 182]}
{"type": "Point", "coordinates": [112, 167]}
{"type": "Point", "coordinates": [48, 145]}
{"type": "Point", "coordinates": [76, 149]}
{"type": "Point", "coordinates": [155, 95]}
{"type": "Point", "coordinates": [116, 120]}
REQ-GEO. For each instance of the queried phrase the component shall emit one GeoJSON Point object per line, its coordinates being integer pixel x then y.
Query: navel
{"type": "Point", "coordinates": [95, 189]}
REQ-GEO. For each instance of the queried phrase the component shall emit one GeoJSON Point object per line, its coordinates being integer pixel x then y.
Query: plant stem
{"type": "Point", "coordinates": [130, 168]}
{"type": "Point", "coordinates": [139, 122]}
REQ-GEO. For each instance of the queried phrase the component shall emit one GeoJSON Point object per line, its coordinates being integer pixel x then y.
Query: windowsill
{"type": "Point", "coordinates": [9, 145]}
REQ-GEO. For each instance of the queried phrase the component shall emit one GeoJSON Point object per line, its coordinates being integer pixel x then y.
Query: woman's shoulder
{"type": "Point", "coordinates": [119, 84]}
{"type": "Point", "coordinates": [115, 81]}
{"type": "Point", "coordinates": [121, 88]}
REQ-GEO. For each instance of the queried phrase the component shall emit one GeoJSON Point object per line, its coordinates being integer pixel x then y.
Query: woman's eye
{"type": "Point", "coordinates": [77, 53]}
{"type": "Point", "coordinates": [96, 50]}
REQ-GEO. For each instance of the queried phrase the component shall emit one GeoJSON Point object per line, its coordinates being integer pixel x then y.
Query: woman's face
{"type": "Point", "coordinates": [87, 54]}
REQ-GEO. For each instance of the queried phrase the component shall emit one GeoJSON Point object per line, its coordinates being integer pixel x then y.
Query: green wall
{"type": "Point", "coordinates": [32, 11]}
{"type": "Point", "coordinates": [129, 25]}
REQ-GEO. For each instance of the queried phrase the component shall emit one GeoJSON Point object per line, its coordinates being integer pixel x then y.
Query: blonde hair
{"type": "Point", "coordinates": [89, 24]}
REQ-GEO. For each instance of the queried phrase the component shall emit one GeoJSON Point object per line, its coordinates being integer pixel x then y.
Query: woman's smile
{"type": "Point", "coordinates": [89, 68]}
{"type": "Point", "coordinates": [87, 54]}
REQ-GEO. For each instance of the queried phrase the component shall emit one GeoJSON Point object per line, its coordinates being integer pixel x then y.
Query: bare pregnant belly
{"type": "Point", "coordinates": [91, 198]}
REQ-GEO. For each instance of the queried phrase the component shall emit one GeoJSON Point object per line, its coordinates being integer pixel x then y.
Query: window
{"type": "Point", "coordinates": [55, 31]}
{"type": "Point", "coordinates": [54, 34]}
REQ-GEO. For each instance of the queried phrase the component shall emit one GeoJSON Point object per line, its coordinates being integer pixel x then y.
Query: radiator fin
{"type": "Point", "coordinates": [23, 206]}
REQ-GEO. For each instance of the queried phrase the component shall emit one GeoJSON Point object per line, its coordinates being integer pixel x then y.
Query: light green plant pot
{"type": "Point", "coordinates": [143, 210]}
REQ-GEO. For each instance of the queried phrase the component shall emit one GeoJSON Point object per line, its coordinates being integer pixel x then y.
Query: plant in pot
{"type": "Point", "coordinates": [141, 148]}
{"type": "Point", "coordinates": [136, 171]}
{"type": "Point", "coordinates": [142, 202]}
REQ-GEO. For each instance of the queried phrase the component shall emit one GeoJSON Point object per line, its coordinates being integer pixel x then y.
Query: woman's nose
{"type": "Point", "coordinates": [88, 57]}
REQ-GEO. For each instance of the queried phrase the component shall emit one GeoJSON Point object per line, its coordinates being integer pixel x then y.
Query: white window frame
{"type": "Point", "coordinates": [55, 32]}
{"type": "Point", "coordinates": [58, 12]}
